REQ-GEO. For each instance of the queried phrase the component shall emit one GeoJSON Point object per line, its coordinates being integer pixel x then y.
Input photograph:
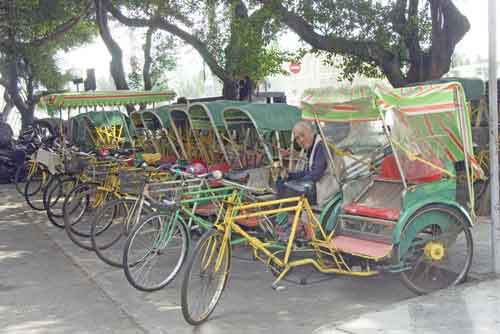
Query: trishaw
{"type": "Point", "coordinates": [159, 130]}
{"type": "Point", "coordinates": [140, 133]}
{"type": "Point", "coordinates": [101, 129]}
{"type": "Point", "coordinates": [258, 133]}
{"type": "Point", "coordinates": [184, 135]}
{"type": "Point", "coordinates": [89, 130]}
{"type": "Point", "coordinates": [405, 218]}
{"type": "Point", "coordinates": [210, 133]}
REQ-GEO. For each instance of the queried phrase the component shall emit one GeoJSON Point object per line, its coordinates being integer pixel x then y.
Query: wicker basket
{"type": "Point", "coordinates": [132, 182]}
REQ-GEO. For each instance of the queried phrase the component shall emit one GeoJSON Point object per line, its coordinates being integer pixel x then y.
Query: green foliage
{"type": "Point", "coordinates": [163, 54]}
{"type": "Point", "coordinates": [386, 23]}
{"type": "Point", "coordinates": [251, 52]}
{"type": "Point", "coordinates": [36, 42]}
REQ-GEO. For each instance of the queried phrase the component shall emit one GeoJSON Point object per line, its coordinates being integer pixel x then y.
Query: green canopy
{"type": "Point", "coordinates": [264, 117]}
{"type": "Point", "coordinates": [161, 114]}
{"type": "Point", "coordinates": [55, 102]}
{"type": "Point", "coordinates": [206, 115]}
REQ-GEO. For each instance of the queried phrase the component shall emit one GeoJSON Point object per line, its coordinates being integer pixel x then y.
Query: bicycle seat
{"type": "Point", "coordinates": [240, 175]}
{"type": "Point", "coordinates": [304, 187]}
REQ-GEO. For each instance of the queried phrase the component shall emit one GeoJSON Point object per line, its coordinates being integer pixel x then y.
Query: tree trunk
{"type": "Point", "coordinates": [7, 107]}
{"type": "Point", "coordinates": [230, 90]}
{"type": "Point", "coordinates": [27, 117]}
{"type": "Point", "coordinates": [148, 60]}
{"type": "Point", "coordinates": [116, 65]}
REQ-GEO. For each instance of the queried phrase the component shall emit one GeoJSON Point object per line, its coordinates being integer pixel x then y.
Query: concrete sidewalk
{"type": "Point", "coordinates": [41, 289]}
{"type": "Point", "coordinates": [49, 285]}
{"type": "Point", "coordinates": [467, 309]}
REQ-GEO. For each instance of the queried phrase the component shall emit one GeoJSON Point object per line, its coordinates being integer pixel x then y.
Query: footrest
{"type": "Point", "coordinates": [365, 248]}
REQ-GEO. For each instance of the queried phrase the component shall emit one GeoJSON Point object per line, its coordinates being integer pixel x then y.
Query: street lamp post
{"type": "Point", "coordinates": [493, 115]}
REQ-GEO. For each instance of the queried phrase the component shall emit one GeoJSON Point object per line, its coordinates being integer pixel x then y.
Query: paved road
{"type": "Point", "coordinates": [73, 290]}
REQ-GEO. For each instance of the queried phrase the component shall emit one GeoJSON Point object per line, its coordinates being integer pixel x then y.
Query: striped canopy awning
{"type": "Point", "coordinates": [54, 102]}
{"type": "Point", "coordinates": [435, 113]}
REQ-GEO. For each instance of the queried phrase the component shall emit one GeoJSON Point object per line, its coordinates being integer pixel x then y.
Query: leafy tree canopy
{"type": "Point", "coordinates": [405, 40]}
{"type": "Point", "coordinates": [31, 34]}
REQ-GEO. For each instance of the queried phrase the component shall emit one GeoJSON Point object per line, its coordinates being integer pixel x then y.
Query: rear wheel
{"type": "Point", "coordinates": [111, 227]}
{"type": "Point", "coordinates": [155, 251]}
{"type": "Point", "coordinates": [205, 278]}
{"type": "Point", "coordinates": [54, 196]}
{"type": "Point", "coordinates": [439, 254]}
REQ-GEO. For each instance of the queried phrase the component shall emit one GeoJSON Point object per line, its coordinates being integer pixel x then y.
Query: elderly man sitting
{"type": "Point", "coordinates": [317, 178]}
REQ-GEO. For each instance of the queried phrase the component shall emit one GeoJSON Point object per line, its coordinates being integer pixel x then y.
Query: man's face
{"type": "Point", "coordinates": [304, 137]}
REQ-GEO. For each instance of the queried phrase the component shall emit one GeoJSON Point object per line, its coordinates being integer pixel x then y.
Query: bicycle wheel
{"type": "Point", "coordinates": [22, 173]}
{"type": "Point", "coordinates": [54, 196]}
{"type": "Point", "coordinates": [205, 278]}
{"type": "Point", "coordinates": [155, 251]}
{"type": "Point", "coordinates": [439, 254]}
{"type": "Point", "coordinates": [34, 187]}
{"type": "Point", "coordinates": [79, 208]}
{"type": "Point", "coordinates": [111, 226]}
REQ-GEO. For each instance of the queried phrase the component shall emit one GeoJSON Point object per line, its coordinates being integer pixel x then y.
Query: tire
{"type": "Point", "coordinates": [159, 237]}
{"type": "Point", "coordinates": [21, 175]}
{"type": "Point", "coordinates": [79, 209]}
{"type": "Point", "coordinates": [54, 197]}
{"type": "Point", "coordinates": [34, 188]}
{"type": "Point", "coordinates": [111, 227]}
{"type": "Point", "coordinates": [431, 249]}
{"type": "Point", "coordinates": [190, 297]}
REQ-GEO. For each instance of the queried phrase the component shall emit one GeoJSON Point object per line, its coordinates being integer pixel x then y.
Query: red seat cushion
{"type": "Point", "coordinates": [415, 171]}
{"type": "Point", "coordinates": [168, 159]}
{"type": "Point", "coordinates": [221, 166]}
{"type": "Point", "coordinates": [206, 210]}
{"type": "Point", "coordinates": [382, 213]}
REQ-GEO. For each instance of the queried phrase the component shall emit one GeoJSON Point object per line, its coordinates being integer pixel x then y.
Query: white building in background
{"type": "Point", "coordinates": [479, 70]}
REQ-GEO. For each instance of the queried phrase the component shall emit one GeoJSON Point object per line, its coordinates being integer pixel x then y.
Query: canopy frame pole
{"type": "Point", "coordinates": [459, 98]}
{"type": "Point", "coordinates": [290, 152]}
{"type": "Point", "coordinates": [179, 138]}
{"type": "Point", "coordinates": [493, 124]}
{"type": "Point", "coordinates": [396, 157]}
{"type": "Point", "coordinates": [329, 153]}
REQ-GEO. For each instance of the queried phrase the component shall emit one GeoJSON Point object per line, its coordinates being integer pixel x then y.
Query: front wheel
{"type": "Point", "coordinates": [155, 251]}
{"type": "Point", "coordinates": [205, 278]}
{"type": "Point", "coordinates": [437, 247]}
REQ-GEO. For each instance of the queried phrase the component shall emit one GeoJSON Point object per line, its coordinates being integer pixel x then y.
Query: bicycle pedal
{"type": "Point", "coordinates": [278, 288]}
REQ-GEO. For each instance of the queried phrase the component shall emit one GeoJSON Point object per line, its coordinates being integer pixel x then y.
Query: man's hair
{"type": "Point", "coordinates": [305, 125]}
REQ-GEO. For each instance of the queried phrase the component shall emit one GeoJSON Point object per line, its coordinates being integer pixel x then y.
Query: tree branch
{"type": "Point", "coordinates": [159, 23]}
{"type": "Point", "coordinates": [63, 28]}
{"type": "Point", "coordinates": [368, 51]}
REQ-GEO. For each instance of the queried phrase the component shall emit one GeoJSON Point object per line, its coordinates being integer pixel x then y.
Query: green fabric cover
{"type": "Point", "coordinates": [264, 117]}
{"type": "Point", "coordinates": [206, 115]}
{"type": "Point", "coordinates": [55, 102]}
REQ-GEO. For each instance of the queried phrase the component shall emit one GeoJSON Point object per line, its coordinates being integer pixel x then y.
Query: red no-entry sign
{"type": "Point", "coordinates": [295, 68]}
